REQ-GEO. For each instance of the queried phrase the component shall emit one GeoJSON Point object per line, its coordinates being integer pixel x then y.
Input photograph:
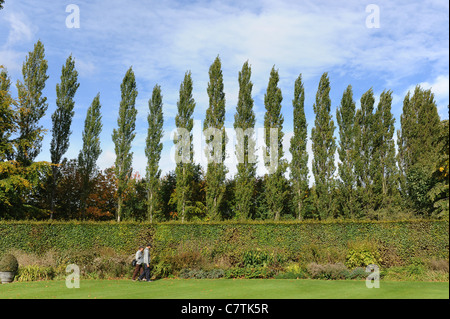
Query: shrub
{"type": "Point", "coordinates": [162, 269]}
{"type": "Point", "coordinates": [187, 259]}
{"type": "Point", "coordinates": [328, 271]}
{"type": "Point", "coordinates": [358, 273]}
{"type": "Point", "coordinates": [438, 265]}
{"type": "Point", "coordinates": [256, 258]}
{"type": "Point", "coordinates": [34, 273]}
{"type": "Point", "coordinates": [9, 263]}
{"type": "Point", "coordinates": [291, 275]}
{"type": "Point", "coordinates": [248, 272]}
{"type": "Point", "coordinates": [362, 254]}
{"type": "Point", "coordinates": [186, 273]}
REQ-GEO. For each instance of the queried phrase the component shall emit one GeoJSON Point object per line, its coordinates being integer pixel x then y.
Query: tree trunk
{"type": "Point", "coordinates": [119, 208]}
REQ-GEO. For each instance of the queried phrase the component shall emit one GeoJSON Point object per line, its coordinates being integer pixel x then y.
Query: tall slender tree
{"type": "Point", "coordinates": [276, 190]}
{"type": "Point", "coordinates": [32, 105]}
{"type": "Point", "coordinates": [299, 162]}
{"type": "Point", "coordinates": [384, 157]}
{"type": "Point", "coordinates": [153, 150]}
{"type": "Point", "coordinates": [7, 117]}
{"type": "Point", "coordinates": [124, 135]}
{"type": "Point", "coordinates": [90, 151]}
{"type": "Point", "coordinates": [364, 129]}
{"type": "Point", "coordinates": [61, 122]}
{"type": "Point", "coordinates": [244, 124]}
{"type": "Point", "coordinates": [324, 148]}
{"type": "Point", "coordinates": [214, 129]}
{"type": "Point", "coordinates": [183, 141]}
{"type": "Point", "coordinates": [345, 116]}
{"type": "Point", "coordinates": [418, 145]}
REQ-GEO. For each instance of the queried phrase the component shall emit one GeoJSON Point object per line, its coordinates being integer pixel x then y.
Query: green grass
{"type": "Point", "coordinates": [225, 289]}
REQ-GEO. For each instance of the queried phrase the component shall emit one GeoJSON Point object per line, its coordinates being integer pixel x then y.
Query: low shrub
{"type": "Point", "coordinates": [249, 272]}
{"type": "Point", "coordinates": [358, 273]}
{"type": "Point", "coordinates": [35, 273]}
{"type": "Point", "coordinates": [162, 269]}
{"type": "Point", "coordinates": [291, 275]}
{"type": "Point", "coordinates": [256, 258]}
{"type": "Point", "coordinates": [438, 265]}
{"type": "Point", "coordinates": [328, 271]}
{"type": "Point", "coordinates": [187, 259]}
{"type": "Point", "coordinates": [186, 273]}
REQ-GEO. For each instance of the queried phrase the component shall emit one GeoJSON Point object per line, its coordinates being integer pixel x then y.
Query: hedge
{"type": "Point", "coordinates": [308, 241]}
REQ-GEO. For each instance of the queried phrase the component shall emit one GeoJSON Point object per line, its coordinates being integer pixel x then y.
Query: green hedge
{"type": "Point", "coordinates": [322, 242]}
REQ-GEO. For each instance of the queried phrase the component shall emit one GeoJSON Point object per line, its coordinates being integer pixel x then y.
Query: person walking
{"type": "Point", "coordinates": [139, 260]}
{"type": "Point", "coordinates": [146, 264]}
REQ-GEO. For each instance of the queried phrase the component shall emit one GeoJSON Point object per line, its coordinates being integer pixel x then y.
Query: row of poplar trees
{"type": "Point", "coordinates": [370, 177]}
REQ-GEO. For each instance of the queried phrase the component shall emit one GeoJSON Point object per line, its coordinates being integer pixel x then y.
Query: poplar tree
{"type": "Point", "coordinates": [90, 151]}
{"type": "Point", "coordinates": [324, 148]}
{"type": "Point", "coordinates": [32, 105]}
{"type": "Point", "coordinates": [364, 130]}
{"type": "Point", "coordinates": [345, 116]}
{"type": "Point", "coordinates": [276, 187]}
{"type": "Point", "coordinates": [299, 162]}
{"type": "Point", "coordinates": [61, 122]}
{"type": "Point", "coordinates": [123, 136]}
{"type": "Point", "coordinates": [418, 145]}
{"type": "Point", "coordinates": [153, 149]}
{"type": "Point", "coordinates": [7, 118]}
{"type": "Point", "coordinates": [184, 147]}
{"type": "Point", "coordinates": [384, 158]}
{"type": "Point", "coordinates": [214, 125]}
{"type": "Point", "coordinates": [244, 124]}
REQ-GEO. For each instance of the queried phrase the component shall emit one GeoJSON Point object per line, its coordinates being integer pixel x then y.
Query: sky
{"type": "Point", "coordinates": [392, 45]}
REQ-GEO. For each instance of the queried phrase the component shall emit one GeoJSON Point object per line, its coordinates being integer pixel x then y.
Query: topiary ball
{"type": "Point", "coordinates": [9, 263]}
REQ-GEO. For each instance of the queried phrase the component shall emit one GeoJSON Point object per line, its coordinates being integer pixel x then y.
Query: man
{"type": "Point", "coordinates": [146, 264]}
{"type": "Point", "coordinates": [139, 260]}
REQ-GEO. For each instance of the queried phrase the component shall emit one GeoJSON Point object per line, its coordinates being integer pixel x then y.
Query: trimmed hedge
{"type": "Point", "coordinates": [304, 242]}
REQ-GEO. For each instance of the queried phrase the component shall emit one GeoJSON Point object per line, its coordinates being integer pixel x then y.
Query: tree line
{"type": "Point", "coordinates": [373, 178]}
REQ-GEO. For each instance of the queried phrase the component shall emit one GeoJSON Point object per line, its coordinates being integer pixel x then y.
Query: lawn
{"type": "Point", "coordinates": [225, 289]}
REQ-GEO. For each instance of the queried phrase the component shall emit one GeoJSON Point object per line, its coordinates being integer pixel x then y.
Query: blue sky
{"type": "Point", "coordinates": [161, 40]}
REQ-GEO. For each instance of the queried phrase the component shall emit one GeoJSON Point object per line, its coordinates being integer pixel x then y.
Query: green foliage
{"type": "Point", "coordinates": [362, 254]}
{"type": "Point", "coordinates": [256, 258]}
{"type": "Point", "coordinates": [276, 190]}
{"type": "Point", "coordinates": [18, 185]}
{"type": "Point", "coordinates": [299, 163]}
{"type": "Point", "coordinates": [345, 115]}
{"type": "Point", "coordinates": [324, 148]}
{"type": "Point", "coordinates": [215, 151]}
{"type": "Point", "coordinates": [32, 105]}
{"type": "Point", "coordinates": [35, 273]}
{"type": "Point", "coordinates": [184, 149]}
{"type": "Point", "coordinates": [8, 117]}
{"type": "Point", "coordinates": [153, 150]}
{"type": "Point", "coordinates": [244, 124]}
{"type": "Point", "coordinates": [9, 263]}
{"type": "Point", "coordinates": [248, 273]}
{"type": "Point", "coordinates": [124, 135]}
{"type": "Point", "coordinates": [90, 151]}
